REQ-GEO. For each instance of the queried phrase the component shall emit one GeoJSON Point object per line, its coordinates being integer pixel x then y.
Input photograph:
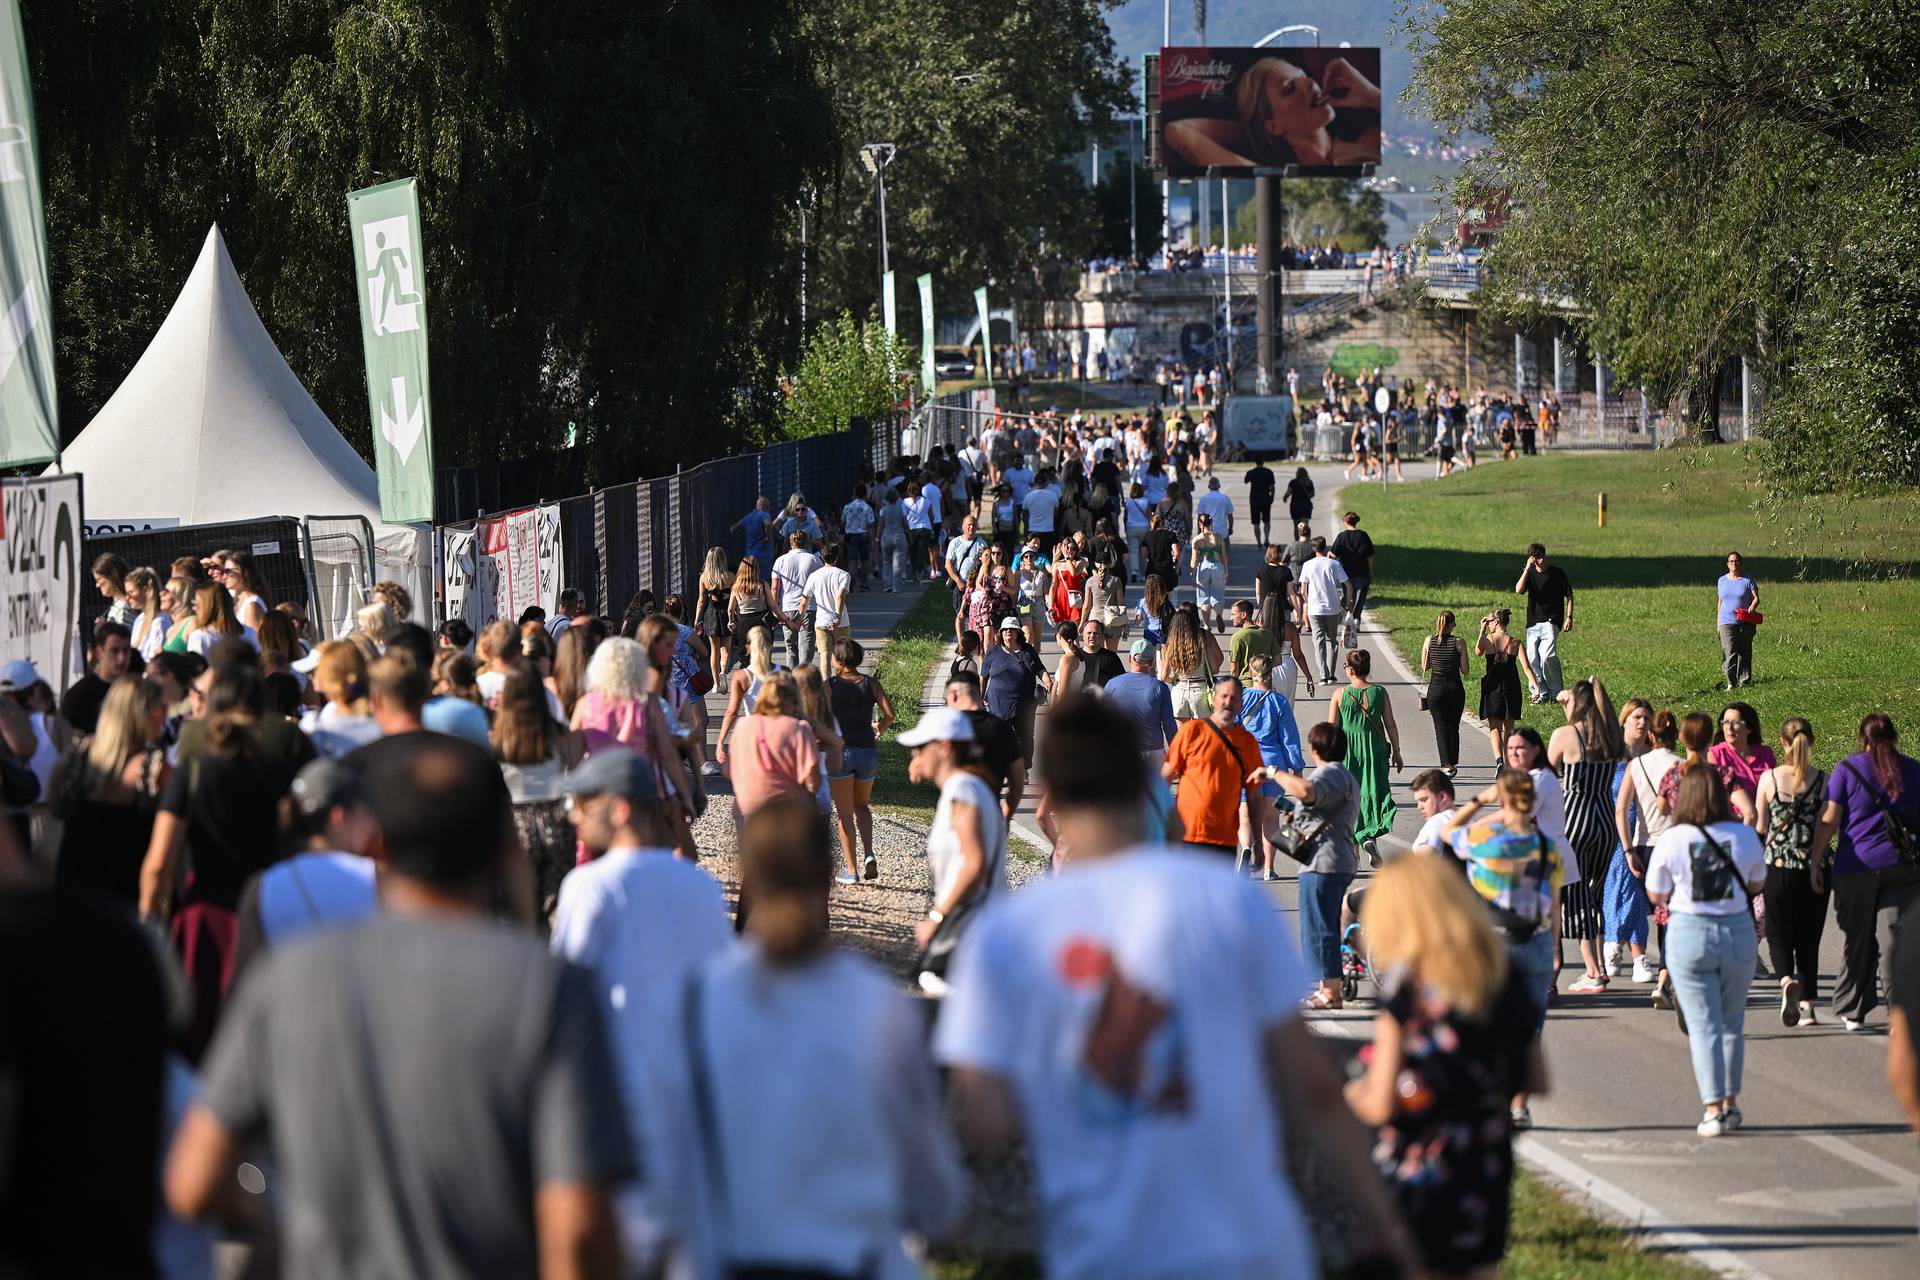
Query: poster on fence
{"type": "Point", "coordinates": [499, 566]}
{"type": "Point", "coordinates": [41, 557]}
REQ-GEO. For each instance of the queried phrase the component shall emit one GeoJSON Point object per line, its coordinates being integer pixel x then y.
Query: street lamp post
{"type": "Point", "coordinates": [877, 156]}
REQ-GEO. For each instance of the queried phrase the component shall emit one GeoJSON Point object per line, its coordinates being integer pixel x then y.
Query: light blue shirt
{"type": "Point", "coordinates": [1268, 716]}
{"type": "Point", "coordinates": [1735, 593]}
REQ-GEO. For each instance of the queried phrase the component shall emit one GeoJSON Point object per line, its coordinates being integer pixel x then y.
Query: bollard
{"type": "Point", "coordinates": [1603, 510]}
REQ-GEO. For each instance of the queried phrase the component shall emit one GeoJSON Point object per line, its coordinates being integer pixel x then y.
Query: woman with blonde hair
{"type": "Point", "coordinates": [1452, 1045]}
{"type": "Point", "coordinates": [774, 752]}
{"type": "Point", "coordinates": [106, 792]}
{"type": "Point", "coordinates": [1187, 663]}
{"type": "Point", "coordinates": [374, 621]}
{"type": "Point", "coordinates": [712, 615]}
{"type": "Point", "coordinates": [744, 685]}
{"type": "Point", "coordinates": [151, 622]}
{"type": "Point", "coordinates": [1787, 812]}
{"type": "Point", "coordinates": [659, 637]}
{"type": "Point", "coordinates": [750, 604]}
{"type": "Point", "coordinates": [176, 601]}
{"type": "Point", "coordinates": [213, 620]}
{"type": "Point", "coordinates": [1444, 658]}
{"type": "Point", "coordinates": [344, 720]}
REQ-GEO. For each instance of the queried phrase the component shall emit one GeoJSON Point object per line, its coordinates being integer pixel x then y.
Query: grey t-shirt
{"type": "Point", "coordinates": [417, 1079]}
{"type": "Point", "coordinates": [1338, 799]}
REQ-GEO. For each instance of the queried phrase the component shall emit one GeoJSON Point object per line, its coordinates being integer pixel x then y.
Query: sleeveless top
{"type": "Point", "coordinates": [1790, 822]}
{"type": "Point", "coordinates": [177, 638]}
{"type": "Point", "coordinates": [853, 702]}
{"type": "Point", "coordinates": [1443, 661]}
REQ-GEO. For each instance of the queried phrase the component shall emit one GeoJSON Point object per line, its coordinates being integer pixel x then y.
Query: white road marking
{"type": "Point", "coordinates": [1635, 1211]}
{"type": "Point", "coordinates": [1835, 1204]}
{"type": "Point", "coordinates": [1906, 1179]}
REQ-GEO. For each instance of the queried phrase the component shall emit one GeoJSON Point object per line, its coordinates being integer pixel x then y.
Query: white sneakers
{"type": "Point", "coordinates": [1643, 972]}
{"type": "Point", "coordinates": [1711, 1125]}
{"type": "Point", "coordinates": [1588, 985]}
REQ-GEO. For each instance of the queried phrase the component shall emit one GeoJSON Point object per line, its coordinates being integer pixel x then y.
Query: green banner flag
{"type": "Point", "coordinates": [926, 331]}
{"type": "Point", "coordinates": [986, 332]}
{"type": "Point", "coordinates": [390, 277]}
{"type": "Point", "coordinates": [887, 307]}
{"type": "Point", "coordinates": [29, 407]}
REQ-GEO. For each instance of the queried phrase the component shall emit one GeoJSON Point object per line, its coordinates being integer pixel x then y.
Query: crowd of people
{"type": "Point", "coordinates": [393, 954]}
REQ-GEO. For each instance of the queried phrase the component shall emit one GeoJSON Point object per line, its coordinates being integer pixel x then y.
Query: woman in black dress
{"type": "Point", "coordinates": [1444, 658]}
{"type": "Point", "coordinates": [1300, 497]}
{"type": "Point", "coordinates": [1453, 1043]}
{"type": "Point", "coordinates": [1500, 702]}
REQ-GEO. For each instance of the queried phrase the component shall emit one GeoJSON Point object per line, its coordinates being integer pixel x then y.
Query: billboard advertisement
{"type": "Point", "coordinates": [1261, 425]}
{"type": "Point", "coordinates": [1314, 113]}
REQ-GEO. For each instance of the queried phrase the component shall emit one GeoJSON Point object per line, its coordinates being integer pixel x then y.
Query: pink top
{"type": "Point", "coordinates": [769, 757]}
{"type": "Point", "coordinates": [1740, 773]}
{"type": "Point", "coordinates": [612, 722]}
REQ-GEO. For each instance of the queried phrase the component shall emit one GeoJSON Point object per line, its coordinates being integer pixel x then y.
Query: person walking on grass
{"type": "Point", "coordinates": [1365, 713]}
{"type": "Point", "coordinates": [1786, 813]}
{"type": "Point", "coordinates": [1705, 870]}
{"type": "Point", "coordinates": [1549, 614]}
{"type": "Point", "coordinates": [1738, 600]}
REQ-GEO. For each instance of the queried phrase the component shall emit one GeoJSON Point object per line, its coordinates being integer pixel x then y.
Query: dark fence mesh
{"type": "Point", "coordinates": [274, 542]}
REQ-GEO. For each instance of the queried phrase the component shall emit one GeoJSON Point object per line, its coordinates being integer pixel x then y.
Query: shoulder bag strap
{"type": "Point", "coordinates": [1732, 866]}
{"type": "Point", "coordinates": [1897, 830]}
{"type": "Point", "coordinates": [1227, 742]}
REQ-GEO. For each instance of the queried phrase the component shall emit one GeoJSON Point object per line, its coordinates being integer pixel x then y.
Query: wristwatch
{"type": "Point", "coordinates": [936, 915]}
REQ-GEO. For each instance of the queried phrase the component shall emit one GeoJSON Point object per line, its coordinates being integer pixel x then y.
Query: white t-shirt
{"type": "Point", "coordinates": [1550, 814]}
{"type": "Point", "coordinates": [1217, 504]}
{"type": "Point", "coordinates": [943, 844]}
{"type": "Point", "coordinates": [919, 512]}
{"type": "Point", "coordinates": [1433, 832]}
{"type": "Point", "coordinates": [311, 891]}
{"type": "Point", "coordinates": [490, 685]}
{"type": "Point", "coordinates": [640, 920]}
{"type": "Point", "coordinates": [1700, 879]}
{"type": "Point", "coordinates": [203, 641]}
{"type": "Point", "coordinates": [973, 460]}
{"type": "Point", "coordinates": [1021, 478]}
{"type": "Point", "coordinates": [827, 588]}
{"type": "Point", "coordinates": [1127, 1005]}
{"type": "Point", "coordinates": [336, 732]}
{"type": "Point", "coordinates": [828, 1177]}
{"type": "Point", "coordinates": [1041, 504]}
{"type": "Point", "coordinates": [1321, 578]}
{"type": "Point", "coordinates": [791, 572]}
{"type": "Point", "coordinates": [856, 517]}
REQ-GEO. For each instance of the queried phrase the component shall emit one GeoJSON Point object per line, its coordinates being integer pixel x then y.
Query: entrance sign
{"type": "Point", "coordinates": [393, 332]}
{"type": "Point", "coordinates": [498, 567]}
{"type": "Point", "coordinates": [29, 407]}
{"type": "Point", "coordinates": [41, 576]}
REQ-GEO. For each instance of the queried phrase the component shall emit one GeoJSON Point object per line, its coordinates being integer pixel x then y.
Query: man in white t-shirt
{"type": "Point", "coordinates": [1433, 794]}
{"type": "Point", "coordinates": [790, 574]}
{"type": "Point", "coordinates": [919, 506]}
{"type": "Point", "coordinates": [1020, 476]}
{"type": "Point", "coordinates": [1323, 584]}
{"type": "Point", "coordinates": [856, 521]}
{"type": "Point", "coordinates": [826, 594]}
{"type": "Point", "coordinates": [1218, 505]}
{"type": "Point", "coordinates": [640, 919]}
{"type": "Point", "coordinates": [1138, 1017]}
{"type": "Point", "coordinates": [1042, 504]}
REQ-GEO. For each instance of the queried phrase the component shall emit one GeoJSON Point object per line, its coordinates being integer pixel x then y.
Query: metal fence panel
{"type": "Point", "coordinates": [340, 555]}
{"type": "Point", "coordinates": [274, 543]}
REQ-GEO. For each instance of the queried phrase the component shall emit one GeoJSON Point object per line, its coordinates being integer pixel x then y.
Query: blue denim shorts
{"type": "Point", "coordinates": [862, 764]}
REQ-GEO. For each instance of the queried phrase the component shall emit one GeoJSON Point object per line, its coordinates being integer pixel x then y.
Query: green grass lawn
{"type": "Point", "coordinates": [913, 646]}
{"type": "Point", "coordinates": [1552, 1239]}
{"type": "Point", "coordinates": [1836, 577]}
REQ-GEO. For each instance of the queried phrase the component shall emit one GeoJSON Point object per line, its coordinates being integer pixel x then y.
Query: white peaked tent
{"type": "Point", "coordinates": [212, 425]}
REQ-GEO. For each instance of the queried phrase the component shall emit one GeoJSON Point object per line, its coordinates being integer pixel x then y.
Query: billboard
{"type": "Point", "coordinates": [43, 572]}
{"type": "Point", "coordinates": [1314, 113]}
{"type": "Point", "coordinates": [1261, 425]}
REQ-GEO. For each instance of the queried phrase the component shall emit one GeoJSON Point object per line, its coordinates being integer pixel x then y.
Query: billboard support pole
{"type": "Point", "coordinates": [1269, 275]}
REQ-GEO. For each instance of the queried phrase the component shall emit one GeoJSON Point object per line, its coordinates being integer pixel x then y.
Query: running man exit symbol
{"type": "Point", "coordinates": [404, 425]}
{"type": "Point", "coordinates": [13, 140]}
{"type": "Point", "coordinates": [393, 292]}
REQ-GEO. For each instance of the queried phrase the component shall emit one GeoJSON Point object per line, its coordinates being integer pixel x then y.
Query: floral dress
{"type": "Point", "coordinates": [1447, 1153]}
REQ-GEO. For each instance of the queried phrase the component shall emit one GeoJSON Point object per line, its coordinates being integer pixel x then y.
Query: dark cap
{"type": "Point", "coordinates": [324, 785]}
{"type": "Point", "coordinates": [617, 772]}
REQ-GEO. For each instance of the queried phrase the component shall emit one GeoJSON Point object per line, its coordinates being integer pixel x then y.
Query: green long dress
{"type": "Point", "coordinates": [1363, 716]}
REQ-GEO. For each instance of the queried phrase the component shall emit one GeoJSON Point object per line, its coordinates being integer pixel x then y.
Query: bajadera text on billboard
{"type": "Point", "coordinates": [41, 558]}
{"type": "Point", "coordinates": [498, 567]}
{"type": "Point", "coordinates": [1230, 113]}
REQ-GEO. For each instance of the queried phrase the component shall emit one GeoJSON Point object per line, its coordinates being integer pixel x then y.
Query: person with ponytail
{"type": "Point", "coordinates": [1873, 806]}
{"type": "Point", "coordinates": [854, 1101]}
{"type": "Point", "coordinates": [1517, 869]}
{"type": "Point", "coordinates": [1787, 813]}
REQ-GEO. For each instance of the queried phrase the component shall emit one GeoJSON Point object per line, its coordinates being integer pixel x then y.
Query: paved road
{"type": "Point", "coordinates": [1824, 1178]}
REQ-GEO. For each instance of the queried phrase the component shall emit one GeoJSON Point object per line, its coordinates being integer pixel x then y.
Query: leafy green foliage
{"type": "Point", "coordinates": [1345, 213]}
{"type": "Point", "coordinates": [1121, 228]}
{"type": "Point", "coordinates": [847, 372]}
{"type": "Point", "coordinates": [605, 188]}
{"type": "Point", "coordinates": [1707, 179]}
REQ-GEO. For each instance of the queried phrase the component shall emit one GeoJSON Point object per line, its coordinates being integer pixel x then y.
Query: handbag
{"type": "Point", "coordinates": [1297, 841]}
{"type": "Point", "coordinates": [1901, 831]}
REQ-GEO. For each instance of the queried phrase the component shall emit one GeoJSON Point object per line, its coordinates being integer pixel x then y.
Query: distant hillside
{"type": "Point", "coordinates": [1136, 27]}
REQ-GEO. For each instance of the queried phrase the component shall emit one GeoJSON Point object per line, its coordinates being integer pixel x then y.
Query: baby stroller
{"type": "Point", "coordinates": [1353, 963]}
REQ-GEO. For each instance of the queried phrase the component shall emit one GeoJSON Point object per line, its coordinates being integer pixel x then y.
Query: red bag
{"type": "Point", "coordinates": [1752, 617]}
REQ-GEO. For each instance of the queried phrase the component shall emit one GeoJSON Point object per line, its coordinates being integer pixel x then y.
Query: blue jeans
{"type": "Point", "coordinates": [1543, 654]}
{"type": "Point", "coordinates": [1320, 895]}
{"type": "Point", "coordinates": [1711, 960]}
{"type": "Point", "coordinates": [1533, 962]}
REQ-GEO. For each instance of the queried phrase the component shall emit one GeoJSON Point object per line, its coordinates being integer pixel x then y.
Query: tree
{"type": "Point", "coordinates": [991, 103]}
{"type": "Point", "coordinates": [1119, 227]}
{"type": "Point", "coordinates": [1345, 214]}
{"type": "Point", "coordinates": [605, 188]}
{"type": "Point", "coordinates": [1707, 179]}
{"type": "Point", "coordinates": [849, 371]}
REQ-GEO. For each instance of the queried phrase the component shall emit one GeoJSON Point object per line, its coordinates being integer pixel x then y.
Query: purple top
{"type": "Point", "coordinates": [1865, 843]}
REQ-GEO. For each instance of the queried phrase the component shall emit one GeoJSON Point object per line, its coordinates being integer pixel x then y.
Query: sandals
{"type": "Point", "coordinates": [1320, 1001]}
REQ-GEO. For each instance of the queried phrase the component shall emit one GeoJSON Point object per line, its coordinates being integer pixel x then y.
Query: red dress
{"type": "Point", "coordinates": [1069, 593]}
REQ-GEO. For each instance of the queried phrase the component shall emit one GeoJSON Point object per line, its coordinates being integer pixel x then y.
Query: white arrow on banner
{"type": "Point", "coordinates": [403, 427]}
{"type": "Point", "coordinates": [14, 328]}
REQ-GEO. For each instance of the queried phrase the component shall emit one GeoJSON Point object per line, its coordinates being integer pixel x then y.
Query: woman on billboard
{"type": "Point", "coordinates": [1286, 117]}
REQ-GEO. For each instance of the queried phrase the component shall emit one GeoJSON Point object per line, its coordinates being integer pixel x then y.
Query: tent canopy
{"type": "Point", "coordinates": [212, 425]}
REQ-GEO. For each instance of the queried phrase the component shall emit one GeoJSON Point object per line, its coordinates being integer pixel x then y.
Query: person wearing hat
{"type": "Point", "coordinates": [330, 884]}
{"type": "Point", "coordinates": [640, 920]}
{"type": "Point", "coordinates": [1147, 702]}
{"type": "Point", "coordinates": [1012, 673]}
{"type": "Point", "coordinates": [967, 845]}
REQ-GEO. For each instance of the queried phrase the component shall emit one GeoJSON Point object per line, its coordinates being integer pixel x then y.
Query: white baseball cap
{"type": "Point", "coordinates": [939, 724]}
{"type": "Point", "coordinates": [18, 675]}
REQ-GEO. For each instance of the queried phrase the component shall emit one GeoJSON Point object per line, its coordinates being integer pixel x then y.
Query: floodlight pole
{"type": "Point", "coordinates": [877, 156]}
